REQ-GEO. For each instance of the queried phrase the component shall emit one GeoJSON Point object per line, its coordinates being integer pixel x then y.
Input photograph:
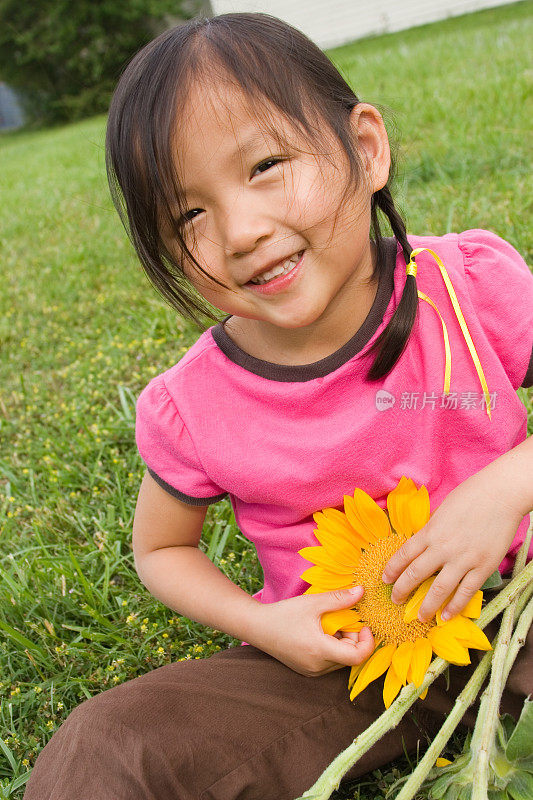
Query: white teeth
{"type": "Point", "coordinates": [279, 270]}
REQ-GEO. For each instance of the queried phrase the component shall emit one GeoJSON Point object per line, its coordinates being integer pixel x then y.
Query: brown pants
{"type": "Point", "coordinates": [236, 726]}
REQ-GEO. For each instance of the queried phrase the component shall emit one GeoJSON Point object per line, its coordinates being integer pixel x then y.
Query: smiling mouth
{"type": "Point", "coordinates": [280, 269]}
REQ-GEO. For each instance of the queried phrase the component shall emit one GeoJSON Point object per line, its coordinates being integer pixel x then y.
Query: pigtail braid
{"type": "Point", "coordinates": [391, 342]}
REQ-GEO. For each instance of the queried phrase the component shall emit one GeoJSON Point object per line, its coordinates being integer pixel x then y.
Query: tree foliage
{"type": "Point", "coordinates": [65, 57]}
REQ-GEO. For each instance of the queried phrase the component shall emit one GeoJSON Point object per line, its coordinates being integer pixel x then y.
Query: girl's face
{"type": "Point", "coordinates": [253, 208]}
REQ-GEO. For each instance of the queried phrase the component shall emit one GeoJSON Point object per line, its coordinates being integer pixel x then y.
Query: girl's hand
{"type": "Point", "coordinates": [466, 539]}
{"type": "Point", "coordinates": [291, 631]}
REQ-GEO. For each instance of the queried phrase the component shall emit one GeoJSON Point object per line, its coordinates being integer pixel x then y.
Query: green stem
{"type": "Point", "coordinates": [332, 775]}
{"type": "Point", "coordinates": [467, 697]}
{"type": "Point", "coordinates": [506, 596]}
{"type": "Point", "coordinates": [464, 700]}
{"type": "Point", "coordinates": [487, 718]}
{"type": "Point", "coordinates": [523, 600]}
{"type": "Point", "coordinates": [521, 556]}
{"type": "Point", "coordinates": [519, 637]}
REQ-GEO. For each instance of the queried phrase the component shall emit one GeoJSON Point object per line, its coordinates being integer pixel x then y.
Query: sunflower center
{"type": "Point", "coordinates": [383, 617]}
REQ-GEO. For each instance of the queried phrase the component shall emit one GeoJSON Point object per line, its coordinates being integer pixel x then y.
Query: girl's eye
{"type": "Point", "coordinates": [190, 215]}
{"type": "Point", "coordinates": [270, 162]}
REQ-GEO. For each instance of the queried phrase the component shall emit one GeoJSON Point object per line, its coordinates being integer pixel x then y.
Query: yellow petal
{"type": "Point", "coordinates": [345, 619]}
{"type": "Point", "coordinates": [420, 661]}
{"type": "Point", "coordinates": [321, 557]}
{"type": "Point", "coordinates": [335, 521]}
{"type": "Point", "coordinates": [354, 672]}
{"type": "Point", "coordinates": [317, 590]}
{"type": "Point", "coordinates": [339, 546]}
{"type": "Point", "coordinates": [473, 607]}
{"type": "Point", "coordinates": [366, 517]}
{"type": "Point", "coordinates": [352, 625]}
{"type": "Point", "coordinates": [408, 507]}
{"type": "Point", "coordinates": [442, 762]}
{"type": "Point", "coordinates": [401, 660]}
{"type": "Point", "coordinates": [320, 589]}
{"type": "Point", "coordinates": [397, 505]}
{"type": "Point", "coordinates": [325, 581]}
{"type": "Point", "coordinates": [331, 528]}
{"type": "Point", "coordinates": [422, 695]}
{"type": "Point", "coordinates": [366, 536]}
{"type": "Point", "coordinates": [371, 515]}
{"type": "Point", "coordinates": [391, 686]}
{"type": "Point", "coordinates": [447, 647]}
{"type": "Point", "coordinates": [458, 626]}
{"type": "Point", "coordinates": [419, 510]}
{"type": "Point", "coordinates": [374, 666]}
{"type": "Point", "coordinates": [412, 606]}
{"type": "Point", "coordinates": [467, 633]}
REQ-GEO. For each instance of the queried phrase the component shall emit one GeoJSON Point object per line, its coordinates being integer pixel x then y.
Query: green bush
{"type": "Point", "coordinates": [65, 57]}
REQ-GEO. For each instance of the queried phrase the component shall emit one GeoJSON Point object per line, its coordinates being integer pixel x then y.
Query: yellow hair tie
{"type": "Point", "coordinates": [411, 270]}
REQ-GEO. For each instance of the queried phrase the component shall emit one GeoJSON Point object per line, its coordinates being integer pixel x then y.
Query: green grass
{"type": "Point", "coordinates": [82, 332]}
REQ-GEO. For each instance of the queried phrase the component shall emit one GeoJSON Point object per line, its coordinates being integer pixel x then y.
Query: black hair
{"type": "Point", "coordinates": [271, 62]}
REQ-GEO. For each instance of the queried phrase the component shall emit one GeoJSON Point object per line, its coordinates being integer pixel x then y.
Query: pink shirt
{"type": "Point", "coordinates": [286, 441]}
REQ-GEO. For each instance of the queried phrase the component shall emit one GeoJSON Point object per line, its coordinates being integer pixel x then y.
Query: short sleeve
{"type": "Point", "coordinates": [168, 450]}
{"type": "Point", "coordinates": [501, 288]}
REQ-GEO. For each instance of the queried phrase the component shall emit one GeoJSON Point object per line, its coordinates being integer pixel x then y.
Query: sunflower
{"type": "Point", "coordinates": [355, 546]}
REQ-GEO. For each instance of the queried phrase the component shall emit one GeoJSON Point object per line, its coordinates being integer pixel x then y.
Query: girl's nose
{"type": "Point", "coordinates": [244, 226]}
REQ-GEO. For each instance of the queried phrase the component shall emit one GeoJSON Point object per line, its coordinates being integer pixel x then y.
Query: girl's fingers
{"type": "Point", "coordinates": [347, 652]}
{"type": "Point", "coordinates": [441, 589]}
{"type": "Point", "coordinates": [366, 637]}
{"type": "Point", "coordinates": [422, 567]}
{"type": "Point", "coordinates": [409, 550]}
{"type": "Point", "coordinates": [353, 636]}
{"type": "Point", "coordinates": [470, 584]}
{"type": "Point", "coordinates": [364, 645]}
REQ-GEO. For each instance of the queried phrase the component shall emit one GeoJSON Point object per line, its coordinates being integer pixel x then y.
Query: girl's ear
{"type": "Point", "coordinates": [372, 144]}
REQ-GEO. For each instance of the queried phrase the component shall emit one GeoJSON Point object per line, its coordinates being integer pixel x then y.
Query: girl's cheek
{"type": "Point", "coordinates": [199, 246]}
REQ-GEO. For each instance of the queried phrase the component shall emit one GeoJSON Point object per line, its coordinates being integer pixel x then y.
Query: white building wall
{"type": "Point", "coordinates": [330, 23]}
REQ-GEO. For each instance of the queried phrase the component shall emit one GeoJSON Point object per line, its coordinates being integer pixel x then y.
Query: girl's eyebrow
{"type": "Point", "coordinates": [257, 139]}
{"type": "Point", "coordinates": [253, 141]}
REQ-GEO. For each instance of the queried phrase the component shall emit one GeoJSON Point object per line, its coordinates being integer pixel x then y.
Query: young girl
{"type": "Point", "coordinates": [250, 176]}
